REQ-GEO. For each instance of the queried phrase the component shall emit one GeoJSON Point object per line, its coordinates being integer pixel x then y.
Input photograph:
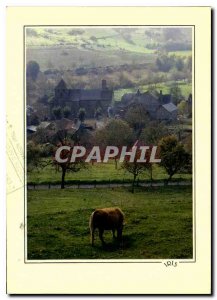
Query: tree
{"type": "Point", "coordinates": [66, 111]}
{"type": "Point", "coordinates": [135, 168]}
{"type": "Point", "coordinates": [125, 80]}
{"type": "Point", "coordinates": [33, 155]}
{"type": "Point", "coordinates": [179, 64]}
{"type": "Point", "coordinates": [32, 69]}
{"type": "Point", "coordinates": [182, 107]}
{"type": "Point", "coordinates": [115, 133]}
{"type": "Point", "coordinates": [176, 93]}
{"type": "Point", "coordinates": [165, 62]}
{"type": "Point", "coordinates": [173, 155]}
{"type": "Point", "coordinates": [82, 114]}
{"type": "Point", "coordinates": [68, 166]}
{"type": "Point", "coordinates": [57, 112]}
{"type": "Point", "coordinates": [137, 117]}
{"type": "Point", "coordinates": [152, 134]}
{"type": "Point", "coordinates": [67, 137]}
{"type": "Point", "coordinates": [36, 156]}
{"type": "Point", "coordinates": [189, 63]}
{"type": "Point", "coordinates": [33, 119]}
{"type": "Point", "coordinates": [98, 113]}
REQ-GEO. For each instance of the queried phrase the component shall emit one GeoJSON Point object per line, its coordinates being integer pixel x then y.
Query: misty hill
{"type": "Point", "coordinates": [71, 47]}
{"type": "Point", "coordinates": [128, 39]}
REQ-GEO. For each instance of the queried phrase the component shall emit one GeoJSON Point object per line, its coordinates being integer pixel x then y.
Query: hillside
{"type": "Point", "coordinates": [128, 39]}
{"type": "Point", "coordinates": [53, 47]}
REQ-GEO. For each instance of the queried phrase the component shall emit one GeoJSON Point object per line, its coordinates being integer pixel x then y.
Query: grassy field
{"type": "Point", "coordinates": [98, 171]}
{"type": "Point", "coordinates": [64, 57]}
{"type": "Point", "coordinates": [127, 39]}
{"type": "Point", "coordinates": [158, 223]}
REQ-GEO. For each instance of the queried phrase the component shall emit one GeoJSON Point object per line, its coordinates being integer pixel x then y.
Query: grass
{"type": "Point", "coordinates": [98, 172]}
{"type": "Point", "coordinates": [53, 57]}
{"type": "Point", "coordinates": [158, 224]}
{"type": "Point", "coordinates": [103, 38]}
{"type": "Point", "coordinates": [181, 53]}
{"type": "Point", "coordinates": [94, 38]}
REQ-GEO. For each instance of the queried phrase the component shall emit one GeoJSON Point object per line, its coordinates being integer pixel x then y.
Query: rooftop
{"type": "Point", "coordinates": [170, 107]}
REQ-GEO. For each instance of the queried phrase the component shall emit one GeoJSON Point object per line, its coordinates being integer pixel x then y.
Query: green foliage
{"type": "Point", "coordinates": [66, 111]}
{"type": "Point", "coordinates": [33, 119]}
{"type": "Point", "coordinates": [173, 155]}
{"type": "Point", "coordinates": [116, 133]}
{"type": "Point", "coordinates": [189, 62]}
{"type": "Point", "coordinates": [125, 80]}
{"type": "Point", "coordinates": [165, 62]}
{"type": "Point", "coordinates": [40, 136]}
{"type": "Point", "coordinates": [57, 112]}
{"type": "Point", "coordinates": [176, 94]}
{"type": "Point", "coordinates": [182, 107]}
{"type": "Point", "coordinates": [177, 46]}
{"type": "Point", "coordinates": [32, 69]}
{"type": "Point", "coordinates": [35, 152]}
{"type": "Point", "coordinates": [135, 168]}
{"type": "Point", "coordinates": [82, 114]}
{"type": "Point", "coordinates": [137, 117]}
{"type": "Point", "coordinates": [179, 64]}
{"type": "Point", "coordinates": [152, 134]}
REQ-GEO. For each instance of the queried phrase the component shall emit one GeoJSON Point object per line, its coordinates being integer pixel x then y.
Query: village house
{"type": "Point", "coordinates": [157, 105]}
{"type": "Point", "coordinates": [89, 99]}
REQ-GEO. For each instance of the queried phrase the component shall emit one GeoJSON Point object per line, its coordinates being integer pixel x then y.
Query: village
{"type": "Point", "coordinates": [99, 105]}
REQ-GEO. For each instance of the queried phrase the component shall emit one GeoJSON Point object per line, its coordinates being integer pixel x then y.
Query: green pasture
{"type": "Point", "coordinates": [158, 223]}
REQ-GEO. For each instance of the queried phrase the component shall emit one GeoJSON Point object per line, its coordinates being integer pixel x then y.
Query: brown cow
{"type": "Point", "coordinates": [106, 219]}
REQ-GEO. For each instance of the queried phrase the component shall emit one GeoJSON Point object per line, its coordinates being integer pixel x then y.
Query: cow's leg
{"type": "Point", "coordinates": [119, 230]}
{"type": "Point", "coordinates": [113, 232]}
{"type": "Point", "coordinates": [92, 236]}
{"type": "Point", "coordinates": [101, 236]}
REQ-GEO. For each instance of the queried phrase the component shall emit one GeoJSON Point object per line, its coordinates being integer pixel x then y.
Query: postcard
{"type": "Point", "coordinates": [108, 150]}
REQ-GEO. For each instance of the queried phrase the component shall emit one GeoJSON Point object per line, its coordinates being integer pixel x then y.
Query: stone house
{"type": "Point", "coordinates": [157, 105]}
{"type": "Point", "coordinates": [89, 99]}
{"type": "Point", "coordinates": [167, 112]}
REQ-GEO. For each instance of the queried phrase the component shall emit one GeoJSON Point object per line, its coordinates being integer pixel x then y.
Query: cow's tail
{"type": "Point", "coordinates": [92, 229]}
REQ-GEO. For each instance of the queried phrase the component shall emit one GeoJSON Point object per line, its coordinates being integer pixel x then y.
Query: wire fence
{"type": "Point", "coordinates": [108, 184]}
